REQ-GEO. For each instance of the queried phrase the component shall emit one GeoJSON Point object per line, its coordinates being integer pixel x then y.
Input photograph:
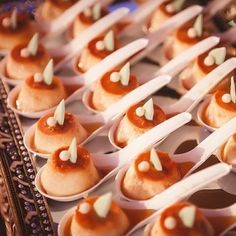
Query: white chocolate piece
{"type": "Point", "coordinates": [87, 12]}
{"type": "Point", "coordinates": [73, 151]}
{"type": "Point", "coordinates": [84, 208]}
{"type": "Point", "coordinates": [231, 23]}
{"type": "Point", "coordinates": [109, 41]}
{"type": "Point", "coordinates": [51, 122]}
{"type": "Point", "coordinates": [125, 74]}
{"type": "Point", "coordinates": [96, 11]}
{"type": "Point", "coordinates": [144, 166]}
{"type": "Point", "coordinates": [103, 204]}
{"type": "Point", "coordinates": [218, 54]}
{"type": "Point", "coordinates": [115, 77]}
{"type": "Point", "coordinates": [198, 25]}
{"type": "Point", "coordinates": [100, 45]}
{"type": "Point", "coordinates": [140, 111]}
{"type": "Point", "coordinates": [187, 216]}
{"type": "Point", "coordinates": [209, 61]}
{"type": "Point", "coordinates": [6, 22]}
{"type": "Point", "coordinates": [149, 109]}
{"type": "Point", "coordinates": [170, 223]}
{"type": "Point", "coordinates": [177, 5]}
{"type": "Point", "coordinates": [59, 113]}
{"type": "Point", "coordinates": [48, 73]}
{"type": "Point", "coordinates": [155, 160]}
{"type": "Point", "coordinates": [232, 90]}
{"type": "Point", "coordinates": [33, 44]}
{"type": "Point", "coordinates": [13, 19]}
{"type": "Point", "coordinates": [24, 52]}
{"type": "Point", "coordinates": [64, 155]}
{"type": "Point", "coordinates": [226, 98]}
{"type": "Point", "coordinates": [170, 8]}
{"type": "Point", "coordinates": [192, 33]}
{"type": "Point", "coordinates": [38, 77]}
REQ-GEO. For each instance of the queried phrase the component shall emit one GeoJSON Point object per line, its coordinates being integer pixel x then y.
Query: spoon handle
{"type": "Point", "coordinates": [159, 36]}
{"type": "Point", "coordinates": [177, 64]}
{"type": "Point", "coordinates": [136, 96]}
{"type": "Point", "coordinates": [199, 90]}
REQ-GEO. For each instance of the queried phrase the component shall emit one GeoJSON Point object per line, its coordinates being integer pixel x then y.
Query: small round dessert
{"type": "Point", "coordinates": [143, 181]}
{"type": "Point", "coordinates": [132, 125]}
{"type": "Point", "coordinates": [220, 110]}
{"type": "Point", "coordinates": [228, 153]}
{"type": "Point", "coordinates": [61, 177]}
{"type": "Point", "coordinates": [10, 35]}
{"type": "Point", "coordinates": [49, 138]}
{"type": "Point", "coordinates": [51, 9]}
{"type": "Point", "coordinates": [87, 222]}
{"type": "Point", "coordinates": [95, 52]}
{"type": "Point", "coordinates": [36, 96]}
{"type": "Point", "coordinates": [86, 18]}
{"type": "Point", "coordinates": [109, 90]}
{"type": "Point", "coordinates": [182, 219]}
{"type": "Point", "coordinates": [20, 66]}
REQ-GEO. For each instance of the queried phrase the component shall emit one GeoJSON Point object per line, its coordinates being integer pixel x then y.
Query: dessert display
{"type": "Point", "coordinates": [25, 60]}
{"type": "Point", "coordinates": [229, 151]}
{"type": "Point", "coordinates": [222, 107]}
{"type": "Point", "coordinates": [54, 131]}
{"type": "Point", "coordinates": [99, 216]}
{"type": "Point", "coordinates": [87, 18]}
{"type": "Point", "coordinates": [41, 91]}
{"type": "Point", "coordinates": [112, 87]}
{"type": "Point", "coordinates": [51, 9]}
{"type": "Point", "coordinates": [138, 119]}
{"type": "Point", "coordinates": [186, 36]}
{"type": "Point", "coordinates": [166, 10]}
{"type": "Point", "coordinates": [15, 28]}
{"type": "Point", "coordinates": [151, 173]}
{"type": "Point", "coordinates": [203, 65]}
{"type": "Point", "coordinates": [69, 171]}
{"type": "Point", "coordinates": [97, 49]}
{"type": "Point", "coordinates": [182, 218]}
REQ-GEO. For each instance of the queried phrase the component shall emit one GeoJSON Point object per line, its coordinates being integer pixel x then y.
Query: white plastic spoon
{"type": "Point", "coordinates": [85, 79]}
{"type": "Point", "coordinates": [120, 158]}
{"type": "Point", "coordinates": [104, 119]}
{"type": "Point", "coordinates": [197, 156]}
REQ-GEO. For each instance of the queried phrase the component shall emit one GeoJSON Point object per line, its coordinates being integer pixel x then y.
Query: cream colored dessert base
{"type": "Point", "coordinates": [216, 115]}
{"type": "Point", "coordinates": [178, 47]}
{"type": "Point", "coordinates": [229, 153]}
{"type": "Point", "coordinates": [45, 143]}
{"type": "Point", "coordinates": [102, 99]}
{"type": "Point", "coordinates": [117, 229]}
{"type": "Point", "coordinates": [158, 18]}
{"type": "Point", "coordinates": [87, 60]}
{"type": "Point", "coordinates": [79, 27]}
{"type": "Point", "coordinates": [19, 71]}
{"type": "Point", "coordinates": [127, 132]}
{"type": "Point", "coordinates": [57, 183]}
{"type": "Point", "coordinates": [32, 100]}
{"type": "Point", "coordinates": [142, 189]}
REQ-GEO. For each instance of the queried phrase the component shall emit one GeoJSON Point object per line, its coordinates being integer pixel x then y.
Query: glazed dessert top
{"type": "Point", "coordinates": [23, 22]}
{"type": "Point", "coordinates": [145, 168]}
{"type": "Point", "coordinates": [69, 123]}
{"type": "Point", "coordinates": [184, 219]}
{"type": "Point", "coordinates": [62, 4]}
{"type": "Point", "coordinates": [91, 220]}
{"type": "Point", "coordinates": [82, 161]}
{"type": "Point", "coordinates": [219, 97]}
{"type": "Point", "coordinates": [143, 123]}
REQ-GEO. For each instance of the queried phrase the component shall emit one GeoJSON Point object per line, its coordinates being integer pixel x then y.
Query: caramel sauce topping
{"type": "Point", "coordinates": [117, 88]}
{"type": "Point", "coordinates": [142, 122]}
{"type": "Point", "coordinates": [62, 4]}
{"type": "Point", "coordinates": [228, 106]}
{"type": "Point", "coordinates": [162, 7]}
{"type": "Point", "coordinates": [200, 61]}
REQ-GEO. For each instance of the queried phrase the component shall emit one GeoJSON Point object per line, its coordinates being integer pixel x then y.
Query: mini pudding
{"type": "Point", "coordinates": [87, 18]}
{"type": "Point", "coordinates": [228, 153]}
{"type": "Point", "coordinates": [222, 107]}
{"type": "Point", "coordinates": [51, 9]}
{"type": "Point", "coordinates": [97, 49]}
{"type": "Point", "coordinates": [69, 171]}
{"type": "Point", "coordinates": [166, 10]}
{"type": "Point", "coordinates": [112, 87]}
{"type": "Point", "coordinates": [150, 174]}
{"type": "Point", "coordinates": [25, 60]}
{"type": "Point", "coordinates": [185, 37]}
{"type": "Point", "coordinates": [138, 119]}
{"type": "Point", "coordinates": [54, 131]}
{"type": "Point", "coordinates": [99, 216]}
{"type": "Point", "coordinates": [203, 65]}
{"type": "Point", "coordinates": [15, 28]}
{"type": "Point", "coordinates": [41, 91]}
{"type": "Point", "coordinates": [182, 219]}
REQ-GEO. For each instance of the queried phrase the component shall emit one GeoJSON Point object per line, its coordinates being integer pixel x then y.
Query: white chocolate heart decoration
{"type": "Point", "coordinates": [125, 74]}
{"type": "Point", "coordinates": [198, 25]}
{"type": "Point", "coordinates": [73, 151]}
{"type": "Point", "coordinates": [177, 5]}
{"type": "Point", "coordinates": [154, 158]}
{"type": "Point", "coordinates": [13, 18]}
{"type": "Point", "coordinates": [218, 54]}
{"type": "Point", "coordinates": [187, 215]}
{"type": "Point", "coordinates": [33, 44]}
{"type": "Point", "coordinates": [48, 73]}
{"type": "Point", "coordinates": [103, 204]}
{"type": "Point", "coordinates": [109, 41]}
{"type": "Point", "coordinates": [149, 109]}
{"type": "Point", "coordinates": [96, 11]}
{"type": "Point", "coordinates": [59, 114]}
{"type": "Point", "coordinates": [232, 90]}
